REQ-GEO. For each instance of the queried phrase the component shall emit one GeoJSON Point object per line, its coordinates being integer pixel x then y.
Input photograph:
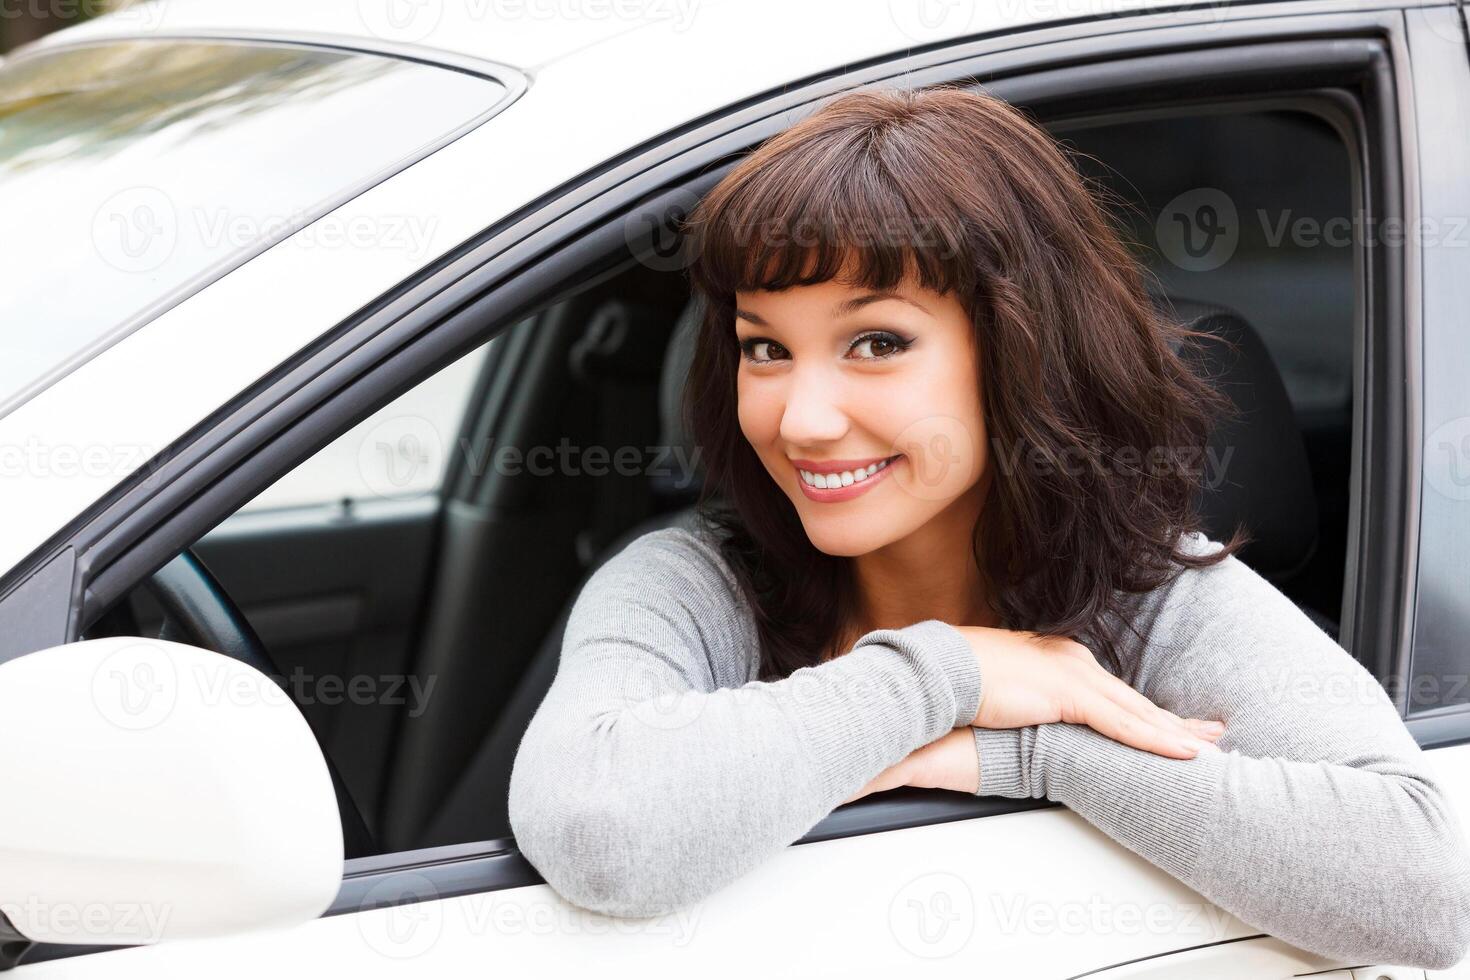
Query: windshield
{"type": "Point", "coordinates": [132, 173]}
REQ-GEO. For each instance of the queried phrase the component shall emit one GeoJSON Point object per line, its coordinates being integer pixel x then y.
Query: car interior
{"type": "Point", "coordinates": [465, 591]}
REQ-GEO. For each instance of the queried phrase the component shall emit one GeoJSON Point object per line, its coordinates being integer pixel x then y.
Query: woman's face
{"type": "Point", "coordinates": [838, 378]}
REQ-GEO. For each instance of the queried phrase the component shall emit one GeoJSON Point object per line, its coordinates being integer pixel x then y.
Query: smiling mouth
{"type": "Point", "coordinates": [844, 485]}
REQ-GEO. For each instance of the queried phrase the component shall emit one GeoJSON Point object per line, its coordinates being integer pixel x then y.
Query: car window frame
{"type": "Point", "coordinates": [1441, 616]}
{"type": "Point", "coordinates": [510, 271]}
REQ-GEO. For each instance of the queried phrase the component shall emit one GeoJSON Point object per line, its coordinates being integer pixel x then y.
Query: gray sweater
{"type": "Point", "coordinates": [658, 769]}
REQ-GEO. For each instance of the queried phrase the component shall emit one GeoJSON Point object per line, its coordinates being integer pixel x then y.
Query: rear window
{"type": "Point", "coordinates": [134, 172]}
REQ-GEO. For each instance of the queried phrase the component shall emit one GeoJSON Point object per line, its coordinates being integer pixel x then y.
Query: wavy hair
{"type": "Point", "coordinates": [965, 193]}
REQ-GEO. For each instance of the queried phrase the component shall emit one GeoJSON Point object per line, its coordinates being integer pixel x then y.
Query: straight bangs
{"type": "Point", "coordinates": [828, 209]}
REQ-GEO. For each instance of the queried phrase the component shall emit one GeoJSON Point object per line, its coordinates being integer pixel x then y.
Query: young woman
{"type": "Point", "coordinates": [956, 454]}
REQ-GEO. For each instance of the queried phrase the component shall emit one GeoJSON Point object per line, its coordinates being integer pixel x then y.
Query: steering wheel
{"type": "Point", "coordinates": [198, 611]}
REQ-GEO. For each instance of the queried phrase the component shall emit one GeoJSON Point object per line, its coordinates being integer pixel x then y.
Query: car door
{"type": "Point", "coordinates": [914, 881]}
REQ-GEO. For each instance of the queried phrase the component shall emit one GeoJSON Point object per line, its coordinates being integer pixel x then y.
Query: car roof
{"type": "Point", "coordinates": [531, 34]}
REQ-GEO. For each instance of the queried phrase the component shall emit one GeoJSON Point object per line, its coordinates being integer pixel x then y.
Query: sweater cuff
{"type": "Point", "coordinates": [950, 652]}
{"type": "Point", "coordinates": [998, 751]}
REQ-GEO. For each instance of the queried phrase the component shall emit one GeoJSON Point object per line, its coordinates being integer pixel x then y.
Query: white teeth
{"type": "Point", "coordinates": [830, 481]}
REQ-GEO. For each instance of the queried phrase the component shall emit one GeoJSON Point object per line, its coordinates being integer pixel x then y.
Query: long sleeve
{"type": "Point", "coordinates": [656, 769]}
{"type": "Point", "coordinates": [1317, 820]}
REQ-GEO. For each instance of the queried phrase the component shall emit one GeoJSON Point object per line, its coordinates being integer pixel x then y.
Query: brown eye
{"type": "Point", "coordinates": [880, 345]}
{"type": "Point", "coordinates": [769, 350]}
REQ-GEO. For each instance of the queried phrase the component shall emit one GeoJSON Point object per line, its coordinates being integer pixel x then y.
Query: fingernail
{"type": "Point", "coordinates": [1215, 726]}
{"type": "Point", "coordinates": [1191, 746]}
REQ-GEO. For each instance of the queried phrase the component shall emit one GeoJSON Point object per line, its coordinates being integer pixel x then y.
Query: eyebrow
{"type": "Point", "coordinates": [843, 308]}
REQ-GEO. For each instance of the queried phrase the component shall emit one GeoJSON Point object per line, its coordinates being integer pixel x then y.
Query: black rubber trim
{"type": "Point", "coordinates": [13, 946]}
{"type": "Point", "coordinates": [35, 618]}
{"type": "Point", "coordinates": [1441, 729]}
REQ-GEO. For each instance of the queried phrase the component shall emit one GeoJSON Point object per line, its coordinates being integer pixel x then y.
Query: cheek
{"type": "Point", "coordinates": [941, 429]}
{"type": "Point", "coordinates": [758, 411]}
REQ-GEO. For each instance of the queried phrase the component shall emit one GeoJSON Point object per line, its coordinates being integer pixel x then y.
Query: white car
{"type": "Point", "coordinates": [324, 331]}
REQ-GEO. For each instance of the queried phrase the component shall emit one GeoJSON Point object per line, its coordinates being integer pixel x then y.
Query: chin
{"type": "Point", "coordinates": [842, 540]}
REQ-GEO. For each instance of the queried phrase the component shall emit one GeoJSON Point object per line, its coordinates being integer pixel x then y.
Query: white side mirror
{"type": "Point", "coordinates": [154, 790]}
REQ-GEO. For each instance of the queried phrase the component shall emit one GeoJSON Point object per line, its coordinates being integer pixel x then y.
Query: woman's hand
{"type": "Point", "coordinates": [948, 762]}
{"type": "Point", "coordinates": [1027, 679]}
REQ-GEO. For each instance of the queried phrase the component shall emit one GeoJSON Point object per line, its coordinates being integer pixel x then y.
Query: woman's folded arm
{"type": "Point", "coordinates": [655, 771]}
{"type": "Point", "coordinates": [1318, 822]}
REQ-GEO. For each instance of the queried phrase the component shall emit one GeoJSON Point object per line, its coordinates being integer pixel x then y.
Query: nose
{"type": "Point", "coordinates": [813, 413]}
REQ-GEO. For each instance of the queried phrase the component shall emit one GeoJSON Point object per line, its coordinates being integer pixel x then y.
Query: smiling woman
{"type": "Point", "coordinates": [901, 293]}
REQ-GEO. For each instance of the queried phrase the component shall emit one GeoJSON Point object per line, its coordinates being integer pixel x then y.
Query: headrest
{"type": "Point", "coordinates": [678, 357]}
{"type": "Point", "coordinates": [1257, 472]}
{"type": "Point", "coordinates": [1256, 469]}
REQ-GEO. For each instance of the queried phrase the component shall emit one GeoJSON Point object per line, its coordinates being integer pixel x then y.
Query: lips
{"type": "Point", "coordinates": [844, 475]}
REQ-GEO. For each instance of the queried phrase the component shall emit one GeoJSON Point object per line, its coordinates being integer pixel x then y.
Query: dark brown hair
{"type": "Point", "coordinates": [964, 192]}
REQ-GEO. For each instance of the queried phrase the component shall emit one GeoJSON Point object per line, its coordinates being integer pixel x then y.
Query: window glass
{"type": "Point", "coordinates": [130, 171]}
{"type": "Point", "coordinates": [398, 452]}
